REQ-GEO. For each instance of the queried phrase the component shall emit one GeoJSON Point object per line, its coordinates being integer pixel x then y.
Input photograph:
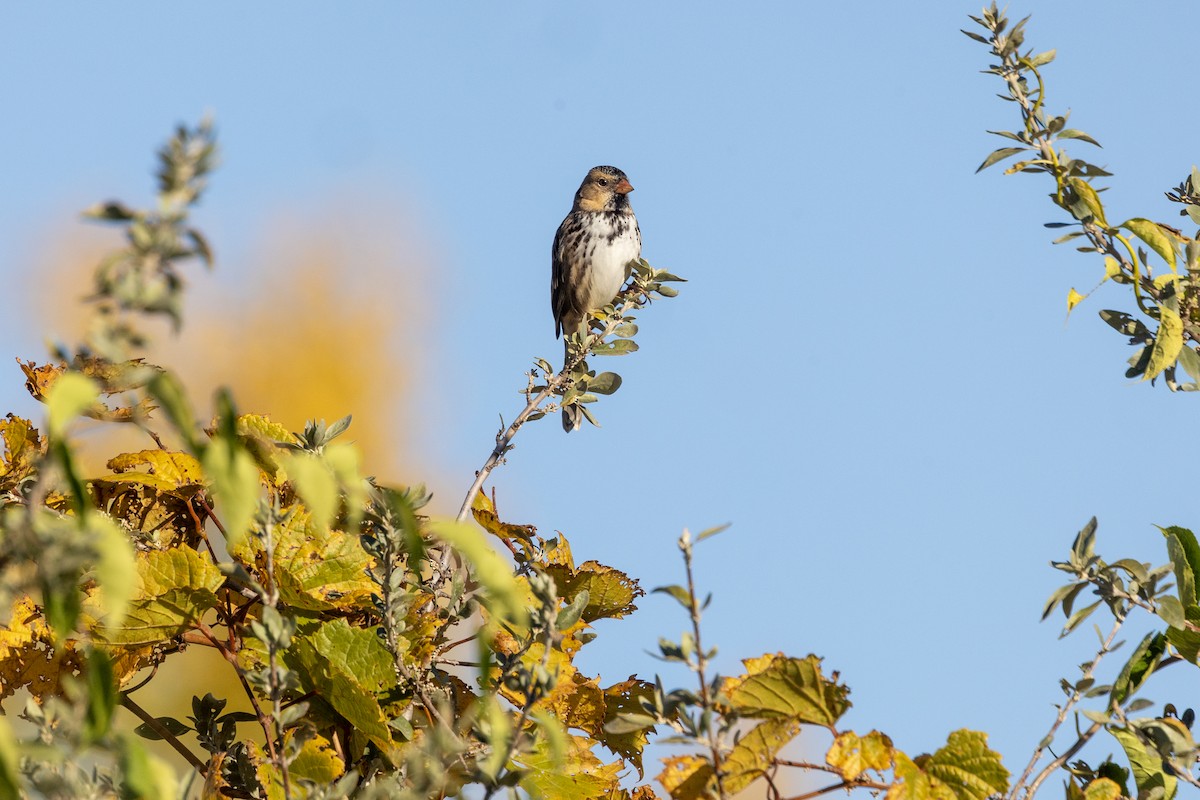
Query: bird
{"type": "Point", "coordinates": [590, 257]}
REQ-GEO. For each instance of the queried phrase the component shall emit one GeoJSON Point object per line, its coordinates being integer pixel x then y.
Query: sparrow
{"type": "Point", "coordinates": [591, 254]}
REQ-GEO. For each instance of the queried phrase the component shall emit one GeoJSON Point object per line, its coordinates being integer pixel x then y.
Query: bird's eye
{"type": "Point", "coordinates": [603, 182]}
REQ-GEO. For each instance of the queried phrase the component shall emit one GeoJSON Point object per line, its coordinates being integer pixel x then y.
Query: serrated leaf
{"type": "Point", "coordinates": [968, 766]}
{"type": "Point", "coordinates": [576, 774]}
{"type": "Point", "coordinates": [172, 590]}
{"type": "Point", "coordinates": [687, 777]}
{"type": "Point", "coordinates": [780, 686]}
{"type": "Point", "coordinates": [317, 761]}
{"type": "Point", "coordinates": [611, 593]}
{"type": "Point", "coordinates": [755, 752]}
{"type": "Point", "coordinates": [852, 755]}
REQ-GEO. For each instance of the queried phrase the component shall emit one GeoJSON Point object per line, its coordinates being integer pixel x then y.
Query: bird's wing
{"type": "Point", "coordinates": [560, 294]}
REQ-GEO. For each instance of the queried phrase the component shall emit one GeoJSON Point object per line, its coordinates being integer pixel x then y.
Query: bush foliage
{"type": "Point", "coordinates": [385, 653]}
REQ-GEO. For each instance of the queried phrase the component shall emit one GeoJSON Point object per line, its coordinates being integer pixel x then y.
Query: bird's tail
{"type": "Point", "coordinates": [572, 417]}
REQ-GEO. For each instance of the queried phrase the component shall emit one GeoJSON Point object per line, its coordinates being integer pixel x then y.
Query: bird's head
{"type": "Point", "coordinates": [604, 189]}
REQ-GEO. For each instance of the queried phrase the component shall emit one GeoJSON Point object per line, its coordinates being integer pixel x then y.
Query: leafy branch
{"type": "Point", "coordinates": [1169, 301]}
{"type": "Point", "coordinates": [574, 384]}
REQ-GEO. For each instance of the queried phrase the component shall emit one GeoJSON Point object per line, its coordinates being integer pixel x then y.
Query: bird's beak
{"type": "Point", "coordinates": [623, 187]}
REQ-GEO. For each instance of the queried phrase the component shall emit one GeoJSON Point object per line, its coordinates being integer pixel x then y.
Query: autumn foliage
{"type": "Point", "coordinates": [379, 652]}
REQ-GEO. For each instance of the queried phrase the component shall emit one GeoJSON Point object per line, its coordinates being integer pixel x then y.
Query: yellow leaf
{"type": "Point", "coordinates": [28, 656]}
{"type": "Point", "coordinates": [318, 569]}
{"type": "Point", "coordinates": [576, 775]}
{"type": "Point", "coordinates": [317, 761]}
{"type": "Point", "coordinates": [912, 783]}
{"type": "Point", "coordinates": [853, 755]}
{"type": "Point", "coordinates": [1074, 298]}
{"type": "Point", "coordinates": [788, 687]}
{"type": "Point", "coordinates": [1167, 343]}
{"type": "Point", "coordinates": [172, 468]}
{"type": "Point", "coordinates": [1112, 268]}
{"type": "Point", "coordinates": [611, 593]}
{"type": "Point", "coordinates": [1155, 236]}
{"type": "Point", "coordinates": [1102, 789]}
{"type": "Point", "coordinates": [754, 753]}
{"type": "Point", "coordinates": [687, 777]}
{"type": "Point", "coordinates": [484, 511]}
{"type": "Point", "coordinates": [1087, 194]}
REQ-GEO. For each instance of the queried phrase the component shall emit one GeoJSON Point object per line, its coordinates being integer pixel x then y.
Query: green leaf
{"type": "Point", "coordinates": [172, 726]}
{"type": "Point", "coordinates": [146, 776]}
{"type": "Point", "coordinates": [1190, 361]}
{"type": "Point", "coordinates": [1154, 236]}
{"type": "Point", "coordinates": [1139, 667]}
{"type": "Point", "coordinates": [618, 347]}
{"type": "Point", "coordinates": [678, 592]}
{"type": "Point", "coordinates": [999, 155]}
{"type": "Point", "coordinates": [316, 485]}
{"type": "Point", "coordinates": [174, 588]}
{"type": "Point", "coordinates": [347, 667]}
{"type": "Point", "coordinates": [1184, 552]}
{"type": "Point", "coordinates": [9, 764]}
{"type": "Point", "coordinates": [1089, 198]}
{"type": "Point", "coordinates": [116, 566]}
{"type": "Point", "coordinates": [604, 383]}
{"type": "Point", "coordinates": [755, 752]}
{"type": "Point", "coordinates": [493, 572]}
{"type": "Point", "coordinates": [101, 695]}
{"type": "Point", "coordinates": [1149, 772]}
{"type": "Point", "coordinates": [1167, 343]}
{"type": "Point", "coordinates": [235, 484]}
{"type": "Point", "coordinates": [67, 398]}
{"type": "Point", "coordinates": [968, 766]}
{"type": "Point", "coordinates": [168, 392]}
{"type": "Point", "coordinates": [779, 686]}
{"type": "Point", "coordinates": [1041, 59]}
{"type": "Point", "coordinates": [1071, 133]}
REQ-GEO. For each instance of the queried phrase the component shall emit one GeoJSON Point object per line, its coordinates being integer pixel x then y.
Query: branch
{"type": "Point", "coordinates": [855, 784]}
{"type": "Point", "coordinates": [1014, 793]}
{"type": "Point", "coordinates": [168, 737]}
{"type": "Point", "coordinates": [631, 300]}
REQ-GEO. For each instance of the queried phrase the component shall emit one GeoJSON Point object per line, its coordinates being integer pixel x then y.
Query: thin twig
{"type": "Point", "coordinates": [855, 784]}
{"type": "Point", "coordinates": [165, 734]}
{"type": "Point", "coordinates": [1064, 710]}
{"type": "Point", "coordinates": [534, 401]}
{"type": "Point", "coordinates": [706, 699]}
{"type": "Point", "coordinates": [1067, 755]}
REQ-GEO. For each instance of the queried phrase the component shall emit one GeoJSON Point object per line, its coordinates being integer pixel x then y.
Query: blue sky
{"type": "Point", "coordinates": [868, 373]}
